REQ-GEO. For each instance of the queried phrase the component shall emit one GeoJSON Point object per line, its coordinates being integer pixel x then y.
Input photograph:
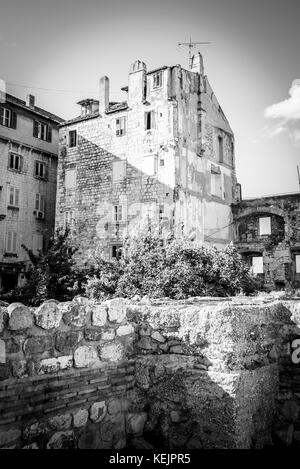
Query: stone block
{"type": "Point", "coordinates": [9, 436]}
{"type": "Point", "coordinates": [158, 336]}
{"type": "Point", "coordinates": [20, 317]}
{"type": "Point", "coordinates": [135, 423]}
{"type": "Point", "coordinates": [112, 352]}
{"type": "Point", "coordinates": [99, 315]}
{"type": "Point", "coordinates": [145, 343]}
{"type": "Point", "coordinates": [85, 356]}
{"type": "Point", "coordinates": [33, 431]}
{"type": "Point", "coordinates": [80, 418]}
{"type": "Point", "coordinates": [52, 365]}
{"type": "Point", "coordinates": [97, 411]}
{"type": "Point", "coordinates": [62, 440]}
{"type": "Point", "coordinates": [3, 318]}
{"type": "Point", "coordinates": [13, 345]}
{"type": "Point", "coordinates": [37, 344]}
{"type": "Point", "coordinates": [125, 330]}
{"type": "Point", "coordinates": [108, 334]}
{"type": "Point", "coordinates": [92, 334]}
{"type": "Point", "coordinates": [19, 368]}
{"type": "Point", "coordinates": [114, 406]}
{"type": "Point", "coordinates": [2, 351]}
{"type": "Point", "coordinates": [60, 422]}
{"type": "Point", "coordinates": [116, 309]}
{"type": "Point", "coordinates": [66, 341]}
{"type": "Point", "coordinates": [77, 315]}
{"type": "Point", "coordinates": [48, 315]}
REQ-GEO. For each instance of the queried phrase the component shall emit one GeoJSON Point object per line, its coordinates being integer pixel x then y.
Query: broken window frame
{"type": "Point", "coordinates": [297, 265]}
{"type": "Point", "coordinates": [220, 149]}
{"type": "Point", "coordinates": [40, 169]}
{"type": "Point", "coordinates": [262, 264]}
{"type": "Point", "coordinates": [116, 251]}
{"type": "Point", "coordinates": [13, 196]}
{"type": "Point", "coordinates": [261, 231]}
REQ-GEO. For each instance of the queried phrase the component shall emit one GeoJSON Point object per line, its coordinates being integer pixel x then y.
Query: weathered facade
{"type": "Point", "coordinates": [165, 156]}
{"type": "Point", "coordinates": [28, 168]}
{"type": "Point", "coordinates": [267, 234]}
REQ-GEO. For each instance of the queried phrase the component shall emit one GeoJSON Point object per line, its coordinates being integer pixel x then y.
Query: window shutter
{"type": "Point", "coordinates": [13, 120]}
{"type": "Point", "coordinates": [8, 241]}
{"type": "Point", "coordinates": [17, 193]}
{"type": "Point", "coordinates": [35, 128]}
{"type": "Point", "coordinates": [37, 201]}
{"type": "Point", "coordinates": [49, 134]}
{"type": "Point", "coordinates": [152, 119]}
{"type": "Point", "coordinates": [14, 242]}
{"type": "Point", "coordinates": [1, 114]}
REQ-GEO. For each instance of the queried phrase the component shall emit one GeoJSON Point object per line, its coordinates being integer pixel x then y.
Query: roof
{"type": "Point", "coordinates": [34, 109]}
{"type": "Point", "coordinates": [113, 107]}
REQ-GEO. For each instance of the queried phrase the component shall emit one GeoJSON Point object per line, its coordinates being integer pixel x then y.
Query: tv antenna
{"type": "Point", "coordinates": [190, 45]}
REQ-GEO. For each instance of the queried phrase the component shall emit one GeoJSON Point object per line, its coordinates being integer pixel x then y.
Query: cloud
{"type": "Point", "coordinates": [287, 114]}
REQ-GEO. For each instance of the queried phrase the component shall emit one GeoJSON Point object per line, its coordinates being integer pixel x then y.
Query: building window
{"type": "Point", "coordinates": [13, 197]}
{"type": "Point", "coordinates": [150, 165]}
{"type": "Point", "coordinates": [120, 126]}
{"type": "Point", "coordinates": [70, 179]}
{"type": "Point", "coordinates": [157, 80]}
{"type": "Point", "coordinates": [116, 251]}
{"type": "Point", "coordinates": [40, 169]}
{"type": "Point", "coordinates": [297, 262]}
{"type": "Point", "coordinates": [118, 170]}
{"type": "Point", "coordinates": [149, 120]}
{"type": "Point", "coordinates": [117, 213]}
{"type": "Point", "coordinates": [72, 138]}
{"type": "Point", "coordinates": [264, 226]}
{"type": "Point", "coordinates": [8, 118]}
{"type": "Point", "coordinates": [11, 242]}
{"type": "Point", "coordinates": [257, 265]}
{"type": "Point", "coordinates": [216, 187]}
{"type": "Point", "coordinates": [220, 149]}
{"type": "Point", "coordinates": [42, 131]}
{"type": "Point", "coordinates": [37, 244]}
{"type": "Point", "coordinates": [15, 162]}
{"type": "Point", "coordinates": [39, 203]}
{"type": "Point", "coordinates": [68, 219]}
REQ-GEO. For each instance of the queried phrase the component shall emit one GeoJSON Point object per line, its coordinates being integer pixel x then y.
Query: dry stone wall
{"type": "Point", "coordinates": [197, 373]}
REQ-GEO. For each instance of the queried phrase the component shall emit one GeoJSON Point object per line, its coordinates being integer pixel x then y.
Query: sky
{"type": "Point", "coordinates": [58, 50]}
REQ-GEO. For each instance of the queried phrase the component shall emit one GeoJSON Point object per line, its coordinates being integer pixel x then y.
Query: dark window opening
{"type": "Point", "coordinates": [220, 143]}
{"type": "Point", "coordinates": [116, 251]}
{"type": "Point", "coordinates": [72, 138]}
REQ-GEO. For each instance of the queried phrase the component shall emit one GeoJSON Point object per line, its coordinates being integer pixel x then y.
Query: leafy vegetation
{"type": "Point", "coordinates": [149, 266]}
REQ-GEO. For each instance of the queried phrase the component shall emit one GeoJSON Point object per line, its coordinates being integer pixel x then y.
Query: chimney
{"type": "Point", "coordinates": [103, 94]}
{"type": "Point", "coordinates": [30, 99]}
{"type": "Point", "coordinates": [137, 82]}
{"type": "Point", "coordinates": [2, 91]}
{"type": "Point", "coordinates": [197, 65]}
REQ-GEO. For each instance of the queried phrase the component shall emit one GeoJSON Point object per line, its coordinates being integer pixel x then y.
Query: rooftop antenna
{"type": "Point", "coordinates": [190, 45]}
{"type": "Point", "coordinates": [298, 175]}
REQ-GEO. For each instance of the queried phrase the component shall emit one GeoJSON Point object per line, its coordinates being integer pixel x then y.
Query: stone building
{"type": "Point", "coordinates": [164, 155]}
{"type": "Point", "coordinates": [267, 234]}
{"type": "Point", "coordinates": [28, 167]}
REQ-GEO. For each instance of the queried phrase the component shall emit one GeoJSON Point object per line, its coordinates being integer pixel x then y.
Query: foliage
{"type": "Point", "coordinates": [50, 275]}
{"type": "Point", "coordinates": [171, 268]}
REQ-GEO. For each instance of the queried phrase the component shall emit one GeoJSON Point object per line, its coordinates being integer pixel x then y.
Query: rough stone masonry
{"type": "Point", "coordinates": [198, 373]}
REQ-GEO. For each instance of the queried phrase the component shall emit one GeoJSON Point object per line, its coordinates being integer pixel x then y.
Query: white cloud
{"type": "Point", "coordinates": [287, 114]}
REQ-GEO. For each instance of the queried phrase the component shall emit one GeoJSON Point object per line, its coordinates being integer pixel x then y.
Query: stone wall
{"type": "Point", "coordinates": [198, 373]}
{"type": "Point", "coordinates": [279, 248]}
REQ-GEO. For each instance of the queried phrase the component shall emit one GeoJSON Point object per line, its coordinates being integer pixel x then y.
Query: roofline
{"type": "Point", "coordinates": [34, 110]}
{"type": "Point", "coordinates": [270, 196]}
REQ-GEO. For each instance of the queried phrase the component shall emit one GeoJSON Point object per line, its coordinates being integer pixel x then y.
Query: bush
{"type": "Point", "coordinates": [50, 275]}
{"type": "Point", "coordinates": [173, 268]}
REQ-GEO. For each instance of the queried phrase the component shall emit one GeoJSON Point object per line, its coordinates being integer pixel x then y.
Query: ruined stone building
{"type": "Point", "coordinates": [28, 167]}
{"type": "Point", "coordinates": [267, 234]}
{"type": "Point", "coordinates": [165, 155]}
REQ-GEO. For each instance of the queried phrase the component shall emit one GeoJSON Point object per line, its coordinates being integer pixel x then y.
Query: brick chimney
{"type": "Point", "coordinates": [137, 82]}
{"type": "Point", "coordinates": [103, 94]}
{"type": "Point", "coordinates": [30, 100]}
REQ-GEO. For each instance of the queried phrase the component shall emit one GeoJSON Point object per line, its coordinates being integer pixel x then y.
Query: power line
{"type": "Point", "coordinates": [55, 89]}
